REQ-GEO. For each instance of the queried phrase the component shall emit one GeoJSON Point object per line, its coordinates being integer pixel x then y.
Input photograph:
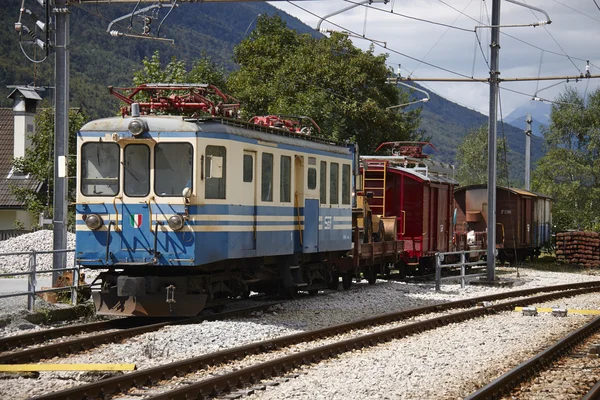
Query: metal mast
{"type": "Point", "coordinates": [528, 132]}
{"type": "Point", "coordinates": [61, 133]}
{"type": "Point", "coordinates": [491, 222]}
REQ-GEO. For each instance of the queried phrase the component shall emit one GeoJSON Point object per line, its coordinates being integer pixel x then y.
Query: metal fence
{"type": "Point", "coordinates": [31, 292]}
{"type": "Point", "coordinates": [463, 264]}
{"type": "Point", "coordinates": [11, 233]}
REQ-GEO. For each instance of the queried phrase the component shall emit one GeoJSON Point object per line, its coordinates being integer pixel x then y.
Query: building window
{"type": "Point", "coordinates": [267, 177]}
{"type": "Point", "coordinates": [100, 169]}
{"type": "Point", "coordinates": [345, 184]}
{"type": "Point", "coordinates": [136, 161]}
{"type": "Point", "coordinates": [334, 171]}
{"type": "Point", "coordinates": [285, 182]}
{"type": "Point", "coordinates": [323, 183]}
{"type": "Point", "coordinates": [216, 172]}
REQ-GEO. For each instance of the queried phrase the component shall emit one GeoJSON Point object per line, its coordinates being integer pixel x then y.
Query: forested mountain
{"type": "Point", "coordinates": [99, 60]}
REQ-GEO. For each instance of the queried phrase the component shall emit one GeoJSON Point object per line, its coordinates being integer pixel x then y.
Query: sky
{"type": "Point", "coordinates": [414, 41]}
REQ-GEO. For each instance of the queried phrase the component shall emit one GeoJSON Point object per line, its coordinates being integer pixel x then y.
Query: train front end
{"type": "Point", "coordinates": [136, 180]}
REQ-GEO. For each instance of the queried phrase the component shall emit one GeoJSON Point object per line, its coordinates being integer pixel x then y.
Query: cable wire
{"type": "Point", "coordinates": [406, 16]}
{"type": "Point", "coordinates": [387, 48]}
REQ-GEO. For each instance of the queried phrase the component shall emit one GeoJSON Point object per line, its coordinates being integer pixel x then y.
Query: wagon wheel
{"type": "Point", "coordinates": [334, 283]}
{"type": "Point", "coordinates": [347, 280]}
{"type": "Point", "coordinates": [371, 275]}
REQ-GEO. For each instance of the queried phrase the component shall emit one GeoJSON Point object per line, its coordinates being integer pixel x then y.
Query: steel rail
{"type": "Point", "coordinates": [594, 393]}
{"type": "Point", "coordinates": [28, 339]}
{"type": "Point", "coordinates": [524, 371]}
{"type": "Point", "coordinates": [85, 343]}
{"type": "Point", "coordinates": [226, 382]}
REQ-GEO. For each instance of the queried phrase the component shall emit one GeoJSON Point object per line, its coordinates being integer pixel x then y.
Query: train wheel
{"type": "Point", "coordinates": [335, 282]}
{"type": "Point", "coordinates": [313, 292]}
{"type": "Point", "coordinates": [371, 275]}
{"type": "Point", "coordinates": [347, 280]}
{"type": "Point", "coordinates": [402, 269]}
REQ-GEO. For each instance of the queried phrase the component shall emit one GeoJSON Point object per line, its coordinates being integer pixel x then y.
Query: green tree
{"type": "Point", "coordinates": [39, 162]}
{"type": "Point", "coordinates": [472, 159]}
{"type": "Point", "coordinates": [570, 170]}
{"type": "Point", "coordinates": [340, 86]}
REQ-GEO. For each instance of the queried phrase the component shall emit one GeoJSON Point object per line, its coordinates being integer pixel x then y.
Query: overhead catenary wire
{"type": "Point", "coordinates": [379, 45]}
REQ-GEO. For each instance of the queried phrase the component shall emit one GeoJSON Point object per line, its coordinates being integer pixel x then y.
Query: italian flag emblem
{"type": "Point", "coordinates": [135, 220]}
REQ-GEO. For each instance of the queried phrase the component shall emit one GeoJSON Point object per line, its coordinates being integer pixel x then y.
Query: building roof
{"type": "Point", "coordinates": [7, 199]}
{"type": "Point", "coordinates": [27, 92]}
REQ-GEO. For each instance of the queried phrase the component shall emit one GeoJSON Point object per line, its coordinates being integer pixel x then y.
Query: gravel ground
{"type": "Point", "coordinates": [445, 363]}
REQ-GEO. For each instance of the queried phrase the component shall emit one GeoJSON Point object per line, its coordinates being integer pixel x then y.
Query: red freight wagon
{"type": "Point", "coordinates": [418, 192]}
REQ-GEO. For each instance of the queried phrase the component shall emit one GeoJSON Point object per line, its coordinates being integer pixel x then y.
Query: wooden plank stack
{"type": "Point", "coordinates": [579, 248]}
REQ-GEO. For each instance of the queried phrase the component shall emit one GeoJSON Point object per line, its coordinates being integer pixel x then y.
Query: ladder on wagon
{"type": "Point", "coordinates": [374, 180]}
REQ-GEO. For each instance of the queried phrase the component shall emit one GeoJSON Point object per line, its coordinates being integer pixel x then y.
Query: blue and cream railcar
{"type": "Point", "coordinates": [185, 213]}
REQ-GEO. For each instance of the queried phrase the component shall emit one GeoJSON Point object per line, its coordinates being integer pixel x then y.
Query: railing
{"type": "Point", "coordinates": [11, 233]}
{"type": "Point", "coordinates": [32, 275]}
{"type": "Point", "coordinates": [463, 264]}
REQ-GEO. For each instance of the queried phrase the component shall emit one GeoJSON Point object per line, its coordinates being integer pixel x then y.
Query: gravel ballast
{"type": "Point", "coordinates": [448, 362]}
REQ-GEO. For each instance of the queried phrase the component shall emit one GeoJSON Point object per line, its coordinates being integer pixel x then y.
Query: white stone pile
{"type": "Point", "coordinates": [39, 241]}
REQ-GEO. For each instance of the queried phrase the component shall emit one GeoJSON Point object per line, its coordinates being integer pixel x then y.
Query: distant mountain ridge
{"type": "Point", "coordinates": [99, 60]}
{"type": "Point", "coordinates": [540, 113]}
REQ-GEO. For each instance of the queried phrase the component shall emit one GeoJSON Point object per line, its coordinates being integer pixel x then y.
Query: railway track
{"type": "Point", "coordinates": [117, 330]}
{"type": "Point", "coordinates": [556, 372]}
{"type": "Point", "coordinates": [217, 374]}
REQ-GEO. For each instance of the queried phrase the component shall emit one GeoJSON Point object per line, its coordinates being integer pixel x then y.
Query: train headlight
{"type": "Point", "coordinates": [137, 126]}
{"type": "Point", "coordinates": [176, 222]}
{"type": "Point", "coordinates": [93, 221]}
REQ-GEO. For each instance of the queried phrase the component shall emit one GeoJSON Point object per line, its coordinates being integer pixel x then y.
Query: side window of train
{"type": "Point", "coordinates": [172, 168]}
{"type": "Point", "coordinates": [312, 173]}
{"type": "Point", "coordinates": [216, 172]}
{"type": "Point", "coordinates": [334, 171]}
{"type": "Point", "coordinates": [345, 184]}
{"type": "Point", "coordinates": [267, 177]}
{"type": "Point", "coordinates": [100, 169]}
{"type": "Point", "coordinates": [323, 183]}
{"type": "Point", "coordinates": [136, 162]}
{"type": "Point", "coordinates": [285, 183]}
{"type": "Point", "coordinates": [248, 168]}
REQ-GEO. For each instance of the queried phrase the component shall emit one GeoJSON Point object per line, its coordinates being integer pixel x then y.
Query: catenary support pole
{"type": "Point", "coordinates": [491, 213]}
{"type": "Point", "coordinates": [528, 152]}
{"type": "Point", "coordinates": [61, 133]}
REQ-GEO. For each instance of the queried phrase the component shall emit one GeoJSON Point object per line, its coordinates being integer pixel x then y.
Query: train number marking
{"type": "Point", "coordinates": [327, 222]}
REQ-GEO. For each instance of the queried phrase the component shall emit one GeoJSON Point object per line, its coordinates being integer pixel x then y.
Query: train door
{"type": "Point", "coordinates": [249, 189]}
{"type": "Point", "coordinates": [434, 229]}
{"type": "Point", "coordinates": [309, 233]}
{"type": "Point", "coordinates": [527, 224]}
{"type": "Point", "coordinates": [136, 220]}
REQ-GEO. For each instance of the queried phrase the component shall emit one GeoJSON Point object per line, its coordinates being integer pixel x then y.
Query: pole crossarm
{"type": "Point", "coordinates": [524, 79]}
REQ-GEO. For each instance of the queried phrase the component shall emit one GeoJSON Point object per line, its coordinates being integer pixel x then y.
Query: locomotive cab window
{"type": "Point", "coordinates": [100, 169]}
{"type": "Point", "coordinates": [216, 172]}
{"type": "Point", "coordinates": [345, 184]}
{"type": "Point", "coordinates": [334, 171]}
{"type": "Point", "coordinates": [136, 161]}
{"type": "Point", "coordinates": [172, 168]}
{"type": "Point", "coordinates": [312, 173]}
{"type": "Point", "coordinates": [267, 177]}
